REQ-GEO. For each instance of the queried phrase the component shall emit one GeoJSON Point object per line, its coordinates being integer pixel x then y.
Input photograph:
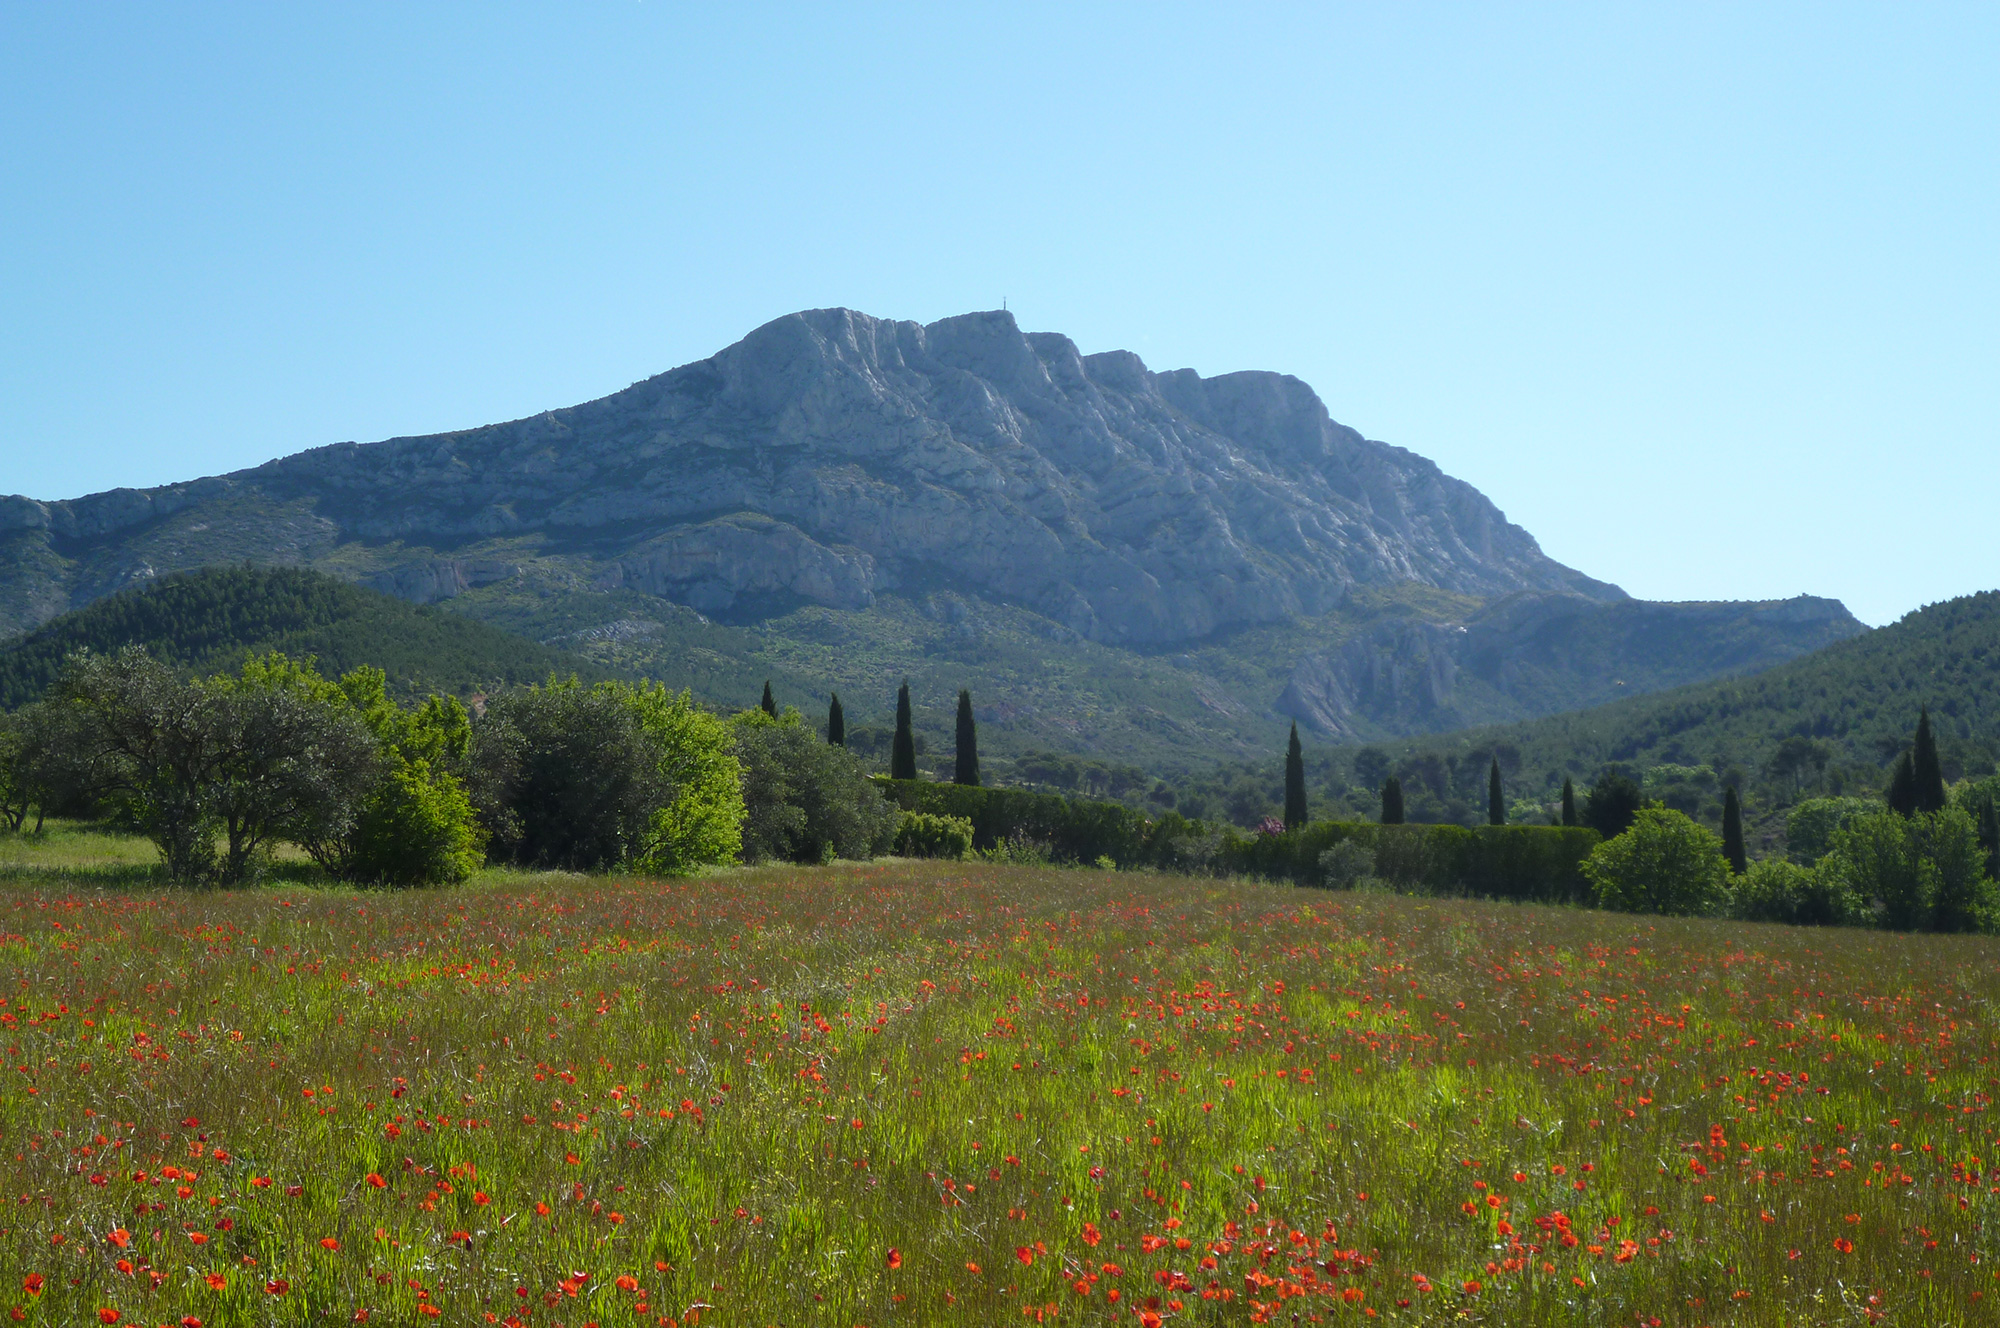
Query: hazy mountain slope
{"type": "Point", "coordinates": [1158, 566]}
{"type": "Point", "coordinates": [210, 620]}
{"type": "Point", "coordinates": [1855, 703]}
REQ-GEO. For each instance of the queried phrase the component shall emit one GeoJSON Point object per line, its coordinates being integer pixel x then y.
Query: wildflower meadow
{"type": "Point", "coordinates": [966, 1093]}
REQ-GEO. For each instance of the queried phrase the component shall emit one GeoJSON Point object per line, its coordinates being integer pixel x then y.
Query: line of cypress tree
{"type": "Point", "coordinates": [836, 723]}
{"type": "Point", "coordinates": [1392, 801]}
{"type": "Point", "coordinates": [1295, 783]}
{"type": "Point", "coordinates": [1569, 802]}
{"type": "Point", "coordinates": [966, 771]}
{"type": "Point", "coordinates": [903, 750]}
{"type": "Point", "coordinates": [770, 702]}
{"type": "Point", "coordinates": [1929, 771]}
{"type": "Point", "coordinates": [1903, 788]}
{"type": "Point", "coordinates": [1732, 832]}
{"type": "Point", "coordinates": [1496, 805]}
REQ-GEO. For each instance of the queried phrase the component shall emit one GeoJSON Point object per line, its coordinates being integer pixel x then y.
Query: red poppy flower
{"type": "Point", "coordinates": [376, 1181]}
{"type": "Point", "coordinates": [1024, 1254]}
{"type": "Point", "coordinates": [107, 1315]}
{"type": "Point", "coordinates": [32, 1284]}
{"type": "Point", "coordinates": [1843, 1244]}
{"type": "Point", "coordinates": [329, 1243]}
{"type": "Point", "coordinates": [277, 1286]}
{"type": "Point", "coordinates": [216, 1281]}
{"type": "Point", "coordinates": [895, 1258]}
{"type": "Point", "coordinates": [481, 1198]}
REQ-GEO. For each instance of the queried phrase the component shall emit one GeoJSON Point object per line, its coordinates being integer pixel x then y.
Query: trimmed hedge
{"type": "Point", "coordinates": [1072, 829]}
{"type": "Point", "coordinates": [1529, 863]}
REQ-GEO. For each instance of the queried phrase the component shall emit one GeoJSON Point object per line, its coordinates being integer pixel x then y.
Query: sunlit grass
{"type": "Point", "coordinates": [1088, 1095]}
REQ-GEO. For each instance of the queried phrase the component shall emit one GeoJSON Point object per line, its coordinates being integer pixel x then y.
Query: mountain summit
{"type": "Point", "coordinates": [1117, 561]}
{"type": "Point", "coordinates": [829, 456]}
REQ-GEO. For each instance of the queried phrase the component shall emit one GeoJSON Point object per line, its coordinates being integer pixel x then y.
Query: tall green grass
{"type": "Point", "coordinates": [948, 1093]}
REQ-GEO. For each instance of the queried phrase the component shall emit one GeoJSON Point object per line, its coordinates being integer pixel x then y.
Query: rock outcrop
{"type": "Point", "coordinates": [829, 456]}
{"type": "Point", "coordinates": [1535, 654]}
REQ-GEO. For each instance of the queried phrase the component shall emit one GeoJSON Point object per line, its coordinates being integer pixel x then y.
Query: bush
{"type": "Point", "coordinates": [416, 828]}
{"type": "Point", "coordinates": [1925, 872]}
{"type": "Point", "coordinates": [701, 823]}
{"type": "Point", "coordinates": [1774, 890]}
{"type": "Point", "coordinates": [577, 778]}
{"type": "Point", "coordinates": [1665, 863]}
{"type": "Point", "coordinates": [805, 800]}
{"type": "Point", "coordinates": [1069, 829]}
{"type": "Point", "coordinates": [1613, 805]}
{"type": "Point", "coordinates": [1346, 864]}
{"type": "Point", "coordinates": [1810, 825]}
{"type": "Point", "coordinates": [588, 778]}
{"type": "Point", "coordinates": [922, 835]}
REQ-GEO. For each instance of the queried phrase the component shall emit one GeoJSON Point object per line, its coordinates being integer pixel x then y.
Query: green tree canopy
{"type": "Point", "coordinates": [1663, 863]}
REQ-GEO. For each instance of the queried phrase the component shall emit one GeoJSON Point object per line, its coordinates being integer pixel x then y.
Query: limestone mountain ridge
{"type": "Point", "coordinates": [835, 463]}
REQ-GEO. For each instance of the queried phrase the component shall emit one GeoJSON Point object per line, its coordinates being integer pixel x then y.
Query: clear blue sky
{"type": "Point", "coordinates": [1704, 297]}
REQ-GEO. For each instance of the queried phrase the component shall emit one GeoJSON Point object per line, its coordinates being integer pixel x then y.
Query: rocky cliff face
{"type": "Point", "coordinates": [1187, 557]}
{"type": "Point", "coordinates": [830, 456]}
{"type": "Point", "coordinates": [1536, 654]}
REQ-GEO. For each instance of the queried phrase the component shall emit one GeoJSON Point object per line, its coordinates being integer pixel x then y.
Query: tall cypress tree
{"type": "Point", "coordinates": [836, 723]}
{"type": "Point", "coordinates": [903, 750]}
{"type": "Point", "coordinates": [1989, 836]}
{"type": "Point", "coordinates": [1732, 833]}
{"type": "Point", "coordinates": [770, 702]}
{"type": "Point", "coordinates": [1295, 783]}
{"type": "Point", "coordinates": [1903, 787]}
{"type": "Point", "coordinates": [1392, 801]}
{"type": "Point", "coordinates": [1569, 802]}
{"type": "Point", "coordinates": [967, 769]}
{"type": "Point", "coordinates": [1496, 805]}
{"type": "Point", "coordinates": [1929, 771]}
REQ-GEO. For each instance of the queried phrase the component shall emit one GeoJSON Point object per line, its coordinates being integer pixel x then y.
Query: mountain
{"type": "Point", "coordinates": [209, 621]}
{"type": "Point", "coordinates": [1157, 565]}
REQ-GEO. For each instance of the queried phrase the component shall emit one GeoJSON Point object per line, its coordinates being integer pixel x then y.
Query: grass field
{"type": "Point", "coordinates": [944, 1093]}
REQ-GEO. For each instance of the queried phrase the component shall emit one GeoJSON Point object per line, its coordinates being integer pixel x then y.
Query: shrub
{"type": "Point", "coordinates": [1612, 806]}
{"type": "Point", "coordinates": [805, 800]}
{"type": "Point", "coordinates": [587, 778]}
{"type": "Point", "coordinates": [416, 828]}
{"type": "Point", "coordinates": [701, 822]}
{"type": "Point", "coordinates": [576, 778]}
{"type": "Point", "coordinates": [1924, 872]}
{"type": "Point", "coordinates": [1069, 829]}
{"type": "Point", "coordinates": [1346, 864]}
{"type": "Point", "coordinates": [1810, 825]}
{"type": "Point", "coordinates": [922, 835]}
{"type": "Point", "coordinates": [1775, 890]}
{"type": "Point", "coordinates": [1665, 863]}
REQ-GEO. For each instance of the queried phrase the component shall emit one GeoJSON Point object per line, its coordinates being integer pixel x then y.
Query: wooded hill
{"type": "Point", "coordinates": [210, 620]}
{"type": "Point", "coordinates": [1833, 721]}
{"type": "Point", "coordinates": [1846, 711]}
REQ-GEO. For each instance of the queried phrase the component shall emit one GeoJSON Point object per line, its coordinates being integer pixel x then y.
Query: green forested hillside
{"type": "Point", "coordinates": [210, 619]}
{"type": "Point", "coordinates": [1833, 721]}
{"type": "Point", "coordinates": [1847, 709]}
